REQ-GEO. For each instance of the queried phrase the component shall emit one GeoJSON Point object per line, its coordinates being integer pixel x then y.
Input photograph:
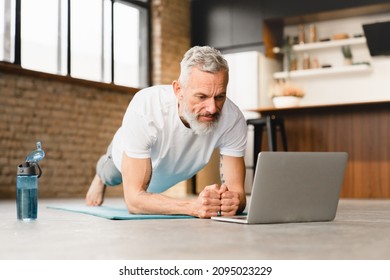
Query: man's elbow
{"type": "Point", "coordinates": [134, 205]}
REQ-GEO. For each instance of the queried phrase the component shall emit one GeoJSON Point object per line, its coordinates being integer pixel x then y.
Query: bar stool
{"type": "Point", "coordinates": [271, 123]}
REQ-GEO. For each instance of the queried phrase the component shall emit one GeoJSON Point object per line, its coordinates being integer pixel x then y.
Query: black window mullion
{"type": "Point", "coordinates": [18, 32]}
{"type": "Point", "coordinates": [138, 3]}
{"type": "Point", "coordinates": [68, 59]}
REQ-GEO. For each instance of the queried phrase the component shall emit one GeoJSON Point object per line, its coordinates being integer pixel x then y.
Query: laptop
{"type": "Point", "coordinates": [291, 187]}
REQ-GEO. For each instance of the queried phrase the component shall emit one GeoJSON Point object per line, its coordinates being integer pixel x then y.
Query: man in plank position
{"type": "Point", "coordinates": [169, 133]}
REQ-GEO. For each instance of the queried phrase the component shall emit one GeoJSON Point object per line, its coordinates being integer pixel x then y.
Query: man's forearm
{"type": "Point", "coordinates": [153, 203]}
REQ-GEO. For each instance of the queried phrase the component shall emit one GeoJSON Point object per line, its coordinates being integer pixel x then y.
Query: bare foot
{"type": "Point", "coordinates": [95, 194]}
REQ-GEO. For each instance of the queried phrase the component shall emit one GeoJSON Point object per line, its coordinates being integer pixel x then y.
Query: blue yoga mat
{"type": "Point", "coordinates": [113, 213]}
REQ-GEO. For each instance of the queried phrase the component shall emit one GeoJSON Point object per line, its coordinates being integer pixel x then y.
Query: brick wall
{"type": "Point", "coordinates": [170, 38]}
{"type": "Point", "coordinates": [75, 120]}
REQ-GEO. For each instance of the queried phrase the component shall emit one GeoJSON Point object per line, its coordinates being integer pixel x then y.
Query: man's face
{"type": "Point", "coordinates": [201, 101]}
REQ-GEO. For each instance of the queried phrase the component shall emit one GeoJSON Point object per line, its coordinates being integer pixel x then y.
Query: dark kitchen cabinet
{"type": "Point", "coordinates": [231, 24]}
{"type": "Point", "coordinates": [226, 23]}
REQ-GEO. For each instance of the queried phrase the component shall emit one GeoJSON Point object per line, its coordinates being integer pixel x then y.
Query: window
{"type": "Point", "coordinates": [126, 53]}
{"type": "Point", "coordinates": [99, 40]}
{"type": "Point", "coordinates": [7, 30]}
{"type": "Point", "coordinates": [41, 36]}
{"type": "Point", "coordinates": [86, 39]}
{"type": "Point", "coordinates": [129, 33]}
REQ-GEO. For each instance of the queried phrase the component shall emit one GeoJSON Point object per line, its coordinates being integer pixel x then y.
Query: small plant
{"type": "Point", "coordinates": [346, 51]}
{"type": "Point", "coordinates": [283, 88]}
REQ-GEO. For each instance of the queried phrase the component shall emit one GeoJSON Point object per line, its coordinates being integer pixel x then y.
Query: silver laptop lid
{"type": "Point", "coordinates": [296, 186]}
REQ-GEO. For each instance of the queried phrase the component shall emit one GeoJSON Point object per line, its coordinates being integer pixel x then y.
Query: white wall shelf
{"type": "Point", "coordinates": [359, 68]}
{"type": "Point", "coordinates": [366, 80]}
{"type": "Point", "coordinates": [329, 44]}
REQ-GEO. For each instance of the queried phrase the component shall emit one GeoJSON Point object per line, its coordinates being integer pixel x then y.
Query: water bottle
{"type": "Point", "coordinates": [27, 185]}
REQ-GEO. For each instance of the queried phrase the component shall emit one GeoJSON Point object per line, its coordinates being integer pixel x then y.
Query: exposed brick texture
{"type": "Point", "coordinates": [170, 38]}
{"type": "Point", "coordinates": [74, 122]}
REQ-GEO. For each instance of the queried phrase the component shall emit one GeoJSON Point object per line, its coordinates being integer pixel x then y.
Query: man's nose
{"type": "Point", "coordinates": [211, 106]}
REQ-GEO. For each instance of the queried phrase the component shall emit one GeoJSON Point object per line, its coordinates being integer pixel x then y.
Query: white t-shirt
{"type": "Point", "coordinates": [152, 128]}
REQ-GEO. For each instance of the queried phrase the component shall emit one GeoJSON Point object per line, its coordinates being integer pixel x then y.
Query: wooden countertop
{"type": "Point", "coordinates": [325, 107]}
{"type": "Point", "coordinates": [360, 129]}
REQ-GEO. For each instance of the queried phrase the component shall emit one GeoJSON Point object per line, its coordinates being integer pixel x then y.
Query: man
{"type": "Point", "coordinates": [168, 134]}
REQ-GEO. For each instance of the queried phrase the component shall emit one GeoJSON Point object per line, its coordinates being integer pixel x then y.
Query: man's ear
{"type": "Point", "coordinates": [177, 89]}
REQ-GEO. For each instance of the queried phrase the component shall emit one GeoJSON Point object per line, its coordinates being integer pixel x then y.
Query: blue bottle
{"type": "Point", "coordinates": [27, 185]}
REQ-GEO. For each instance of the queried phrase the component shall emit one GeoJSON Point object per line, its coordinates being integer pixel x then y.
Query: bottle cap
{"type": "Point", "coordinates": [28, 168]}
{"type": "Point", "coordinates": [36, 155]}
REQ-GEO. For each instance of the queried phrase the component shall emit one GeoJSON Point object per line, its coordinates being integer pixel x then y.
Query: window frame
{"type": "Point", "coordinates": [145, 51]}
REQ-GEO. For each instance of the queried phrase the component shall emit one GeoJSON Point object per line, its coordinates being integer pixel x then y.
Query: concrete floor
{"type": "Point", "coordinates": [361, 230]}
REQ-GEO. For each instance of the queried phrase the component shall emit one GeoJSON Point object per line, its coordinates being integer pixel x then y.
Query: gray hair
{"type": "Point", "coordinates": [206, 59]}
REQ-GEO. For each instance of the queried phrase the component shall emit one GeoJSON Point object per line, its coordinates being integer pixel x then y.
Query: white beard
{"type": "Point", "coordinates": [198, 127]}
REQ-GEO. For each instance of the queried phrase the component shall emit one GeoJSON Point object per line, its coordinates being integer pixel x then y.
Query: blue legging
{"type": "Point", "coordinates": [106, 169]}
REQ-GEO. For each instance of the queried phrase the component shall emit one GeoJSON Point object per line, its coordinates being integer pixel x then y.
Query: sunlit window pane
{"type": "Point", "coordinates": [40, 42]}
{"type": "Point", "coordinates": [107, 42]}
{"type": "Point", "coordinates": [126, 45]}
{"type": "Point", "coordinates": [86, 39]}
{"type": "Point", "coordinates": [7, 30]}
{"type": "Point", "coordinates": [104, 45]}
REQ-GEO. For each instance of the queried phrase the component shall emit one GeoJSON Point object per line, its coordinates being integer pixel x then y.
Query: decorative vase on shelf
{"type": "Point", "coordinates": [286, 101]}
{"type": "Point", "coordinates": [285, 94]}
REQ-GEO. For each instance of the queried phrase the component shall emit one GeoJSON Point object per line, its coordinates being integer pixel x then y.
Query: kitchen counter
{"type": "Point", "coordinates": [360, 129]}
{"type": "Point", "coordinates": [329, 107]}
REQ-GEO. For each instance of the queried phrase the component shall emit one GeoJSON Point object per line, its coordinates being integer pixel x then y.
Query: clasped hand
{"type": "Point", "coordinates": [214, 199]}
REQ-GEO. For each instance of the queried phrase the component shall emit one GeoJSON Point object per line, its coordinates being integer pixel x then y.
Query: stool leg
{"type": "Point", "coordinates": [283, 133]}
{"type": "Point", "coordinates": [258, 132]}
{"type": "Point", "coordinates": [271, 134]}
